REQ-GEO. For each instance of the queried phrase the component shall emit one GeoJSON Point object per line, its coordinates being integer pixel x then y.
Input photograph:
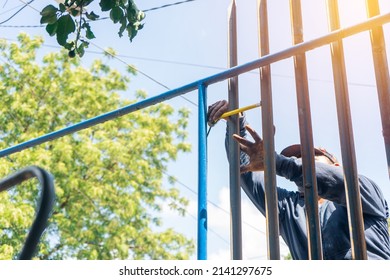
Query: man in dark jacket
{"type": "Point", "coordinates": [291, 205]}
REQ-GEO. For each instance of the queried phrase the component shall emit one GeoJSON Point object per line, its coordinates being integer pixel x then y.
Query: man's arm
{"type": "Point", "coordinates": [330, 182]}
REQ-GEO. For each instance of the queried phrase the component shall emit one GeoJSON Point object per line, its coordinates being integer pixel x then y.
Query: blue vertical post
{"type": "Point", "coordinates": [202, 174]}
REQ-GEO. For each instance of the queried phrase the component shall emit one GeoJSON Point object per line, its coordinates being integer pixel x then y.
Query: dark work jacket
{"type": "Point", "coordinates": [332, 213]}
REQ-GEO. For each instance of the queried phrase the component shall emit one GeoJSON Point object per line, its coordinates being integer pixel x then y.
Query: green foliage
{"type": "Point", "coordinates": [71, 16]}
{"type": "Point", "coordinates": [388, 225]}
{"type": "Point", "coordinates": [108, 178]}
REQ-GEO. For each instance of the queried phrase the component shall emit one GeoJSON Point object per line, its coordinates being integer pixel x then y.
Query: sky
{"type": "Point", "coordinates": [187, 42]}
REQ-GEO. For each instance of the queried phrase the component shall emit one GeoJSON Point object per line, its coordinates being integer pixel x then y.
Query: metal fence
{"type": "Point", "coordinates": [334, 38]}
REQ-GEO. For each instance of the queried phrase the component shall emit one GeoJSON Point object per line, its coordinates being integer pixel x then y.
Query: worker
{"type": "Point", "coordinates": [332, 202]}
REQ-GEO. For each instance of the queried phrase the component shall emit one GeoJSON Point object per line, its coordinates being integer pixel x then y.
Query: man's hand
{"type": "Point", "coordinates": [255, 151]}
{"type": "Point", "coordinates": [216, 110]}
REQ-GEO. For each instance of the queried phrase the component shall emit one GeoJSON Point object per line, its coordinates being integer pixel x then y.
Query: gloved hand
{"type": "Point", "coordinates": [255, 151]}
{"type": "Point", "coordinates": [216, 110]}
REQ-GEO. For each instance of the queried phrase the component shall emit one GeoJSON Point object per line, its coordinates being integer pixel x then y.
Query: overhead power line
{"type": "Point", "coordinates": [167, 5]}
{"type": "Point", "coordinates": [142, 73]}
{"type": "Point", "coordinates": [5, 3]}
{"type": "Point", "coordinates": [9, 10]}
{"type": "Point", "coordinates": [17, 12]}
{"type": "Point", "coordinates": [103, 18]}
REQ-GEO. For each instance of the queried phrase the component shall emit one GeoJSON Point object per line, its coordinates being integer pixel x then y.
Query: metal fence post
{"type": "Point", "coordinates": [306, 136]}
{"type": "Point", "coordinates": [271, 195]}
{"type": "Point", "coordinates": [355, 213]}
{"type": "Point", "coordinates": [381, 74]}
{"type": "Point", "coordinates": [202, 175]}
{"type": "Point", "coordinates": [234, 150]}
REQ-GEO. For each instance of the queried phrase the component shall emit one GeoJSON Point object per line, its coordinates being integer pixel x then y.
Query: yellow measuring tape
{"type": "Point", "coordinates": [239, 110]}
{"type": "Point", "coordinates": [233, 112]}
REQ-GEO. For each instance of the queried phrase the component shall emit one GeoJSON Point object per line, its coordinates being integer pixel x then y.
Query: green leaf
{"type": "Point", "coordinates": [141, 16]}
{"type": "Point", "coordinates": [74, 12]}
{"type": "Point", "coordinates": [62, 8]}
{"type": "Point", "coordinates": [80, 50]}
{"type": "Point", "coordinates": [85, 44]}
{"type": "Point", "coordinates": [52, 28]}
{"type": "Point", "coordinates": [131, 32]}
{"type": "Point", "coordinates": [49, 14]}
{"type": "Point", "coordinates": [49, 11]}
{"type": "Point", "coordinates": [123, 26]}
{"type": "Point", "coordinates": [116, 14]}
{"type": "Point", "coordinates": [88, 33]}
{"type": "Point", "coordinates": [49, 19]}
{"type": "Point", "coordinates": [65, 26]}
{"type": "Point", "coordinates": [69, 46]}
{"type": "Point", "coordinates": [91, 16]}
{"type": "Point", "coordinates": [107, 5]}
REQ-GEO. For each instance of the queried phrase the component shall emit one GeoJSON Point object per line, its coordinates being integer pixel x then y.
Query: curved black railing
{"type": "Point", "coordinates": [45, 205]}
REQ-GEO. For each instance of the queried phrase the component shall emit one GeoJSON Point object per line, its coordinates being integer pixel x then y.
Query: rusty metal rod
{"type": "Point", "coordinates": [306, 136]}
{"type": "Point", "coordinates": [381, 74]}
{"type": "Point", "coordinates": [355, 213]}
{"type": "Point", "coordinates": [234, 149]}
{"type": "Point", "coordinates": [271, 196]}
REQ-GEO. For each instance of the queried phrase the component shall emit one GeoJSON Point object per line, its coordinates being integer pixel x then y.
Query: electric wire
{"type": "Point", "coordinates": [141, 72]}
{"type": "Point", "coordinates": [17, 12]}
{"type": "Point", "coordinates": [6, 1]}
{"type": "Point", "coordinates": [103, 18]}
{"type": "Point", "coordinates": [29, 5]}
{"type": "Point", "coordinates": [168, 5]}
{"type": "Point", "coordinates": [9, 10]}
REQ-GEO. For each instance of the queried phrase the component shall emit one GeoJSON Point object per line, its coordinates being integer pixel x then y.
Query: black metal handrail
{"type": "Point", "coordinates": [45, 205]}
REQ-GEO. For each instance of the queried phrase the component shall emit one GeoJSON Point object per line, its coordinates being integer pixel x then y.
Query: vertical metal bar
{"type": "Point", "coordinates": [306, 136]}
{"type": "Point", "coordinates": [355, 214]}
{"type": "Point", "coordinates": [234, 150]}
{"type": "Point", "coordinates": [202, 174]}
{"type": "Point", "coordinates": [271, 196]}
{"type": "Point", "coordinates": [381, 74]}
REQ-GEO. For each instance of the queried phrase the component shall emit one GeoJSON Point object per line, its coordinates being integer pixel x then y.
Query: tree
{"type": "Point", "coordinates": [108, 178]}
{"type": "Point", "coordinates": [71, 17]}
{"type": "Point", "coordinates": [388, 225]}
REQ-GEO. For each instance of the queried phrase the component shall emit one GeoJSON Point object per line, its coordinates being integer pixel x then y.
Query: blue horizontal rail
{"type": "Point", "coordinates": [232, 72]}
